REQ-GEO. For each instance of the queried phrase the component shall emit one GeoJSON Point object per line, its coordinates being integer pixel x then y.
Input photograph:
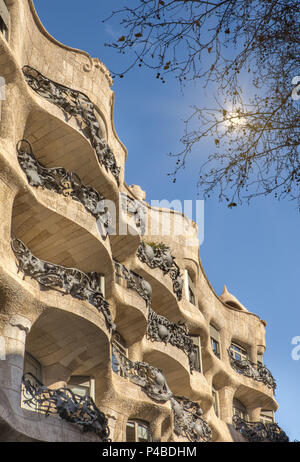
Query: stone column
{"type": "Point", "coordinates": [11, 368]}
{"type": "Point", "coordinates": [226, 395]}
{"type": "Point", "coordinates": [254, 414]}
{"type": "Point", "coordinates": [56, 376]}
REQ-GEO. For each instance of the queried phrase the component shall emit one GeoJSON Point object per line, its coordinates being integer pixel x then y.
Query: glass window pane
{"type": "Point", "coordinates": [143, 433]}
{"type": "Point", "coordinates": [130, 432]}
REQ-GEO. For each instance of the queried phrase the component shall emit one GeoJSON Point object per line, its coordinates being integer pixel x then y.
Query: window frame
{"type": "Point", "coordinates": [120, 343]}
{"type": "Point", "coordinates": [139, 423]}
{"type": "Point", "coordinates": [237, 350]}
{"type": "Point", "coordinates": [215, 338]}
{"type": "Point", "coordinates": [241, 409]}
{"type": "Point", "coordinates": [197, 343]}
{"type": "Point", "coordinates": [189, 288]}
{"type": "Point", "coordinates": [216, 402]}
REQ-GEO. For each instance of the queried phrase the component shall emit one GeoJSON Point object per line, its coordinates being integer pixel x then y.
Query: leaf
{"type": "Point", "coordinates": [232, 204]}
{"type": "Point", "coordinates": [121, 39]}
{"type": "Point", "coordinates": [138, 35]}
{"type": "Point", "coordinates": [217, 142]}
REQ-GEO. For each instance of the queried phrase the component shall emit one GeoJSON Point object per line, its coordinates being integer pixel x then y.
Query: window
{"type": "Point", "coordinates": [215, 341]}
{"type": "Point", "coordinates": [216, 401]}
{"type": "Point", "coordinates": [4, 19]}
{"type": "Point", "coordinates": [266, 416]}
{"type": "Point", "coordinates": [238, 353]}
{"type": "Point", "coordinates": [239, 409]}
{"type": "Point", "coordinates": [189, 288]}
{"type": "Point", "coordinates": [82, 385]}
{"type": "Point", "coordinates": [120, 344]}
{"type": "Point", "coordinates": [137, 431]}
{"type": "Point", "coordinates": [197, 358]}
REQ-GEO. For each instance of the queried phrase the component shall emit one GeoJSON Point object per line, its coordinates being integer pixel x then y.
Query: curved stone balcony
{"type": "Point", "coordinates": [65, 343]}
{"type": "Point", "coordinates": [258, 432]}
{"type": "Point", "coordinates": [32, 45]}
{"type": "Point", "coordinates": [187, 415]}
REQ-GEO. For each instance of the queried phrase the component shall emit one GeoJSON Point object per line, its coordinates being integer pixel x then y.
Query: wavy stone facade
{"type": "Point", "coordinates": [112, 336]}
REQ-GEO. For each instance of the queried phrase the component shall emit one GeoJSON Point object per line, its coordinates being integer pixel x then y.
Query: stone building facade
{"type": "Point", "coordinates": [108, 328]}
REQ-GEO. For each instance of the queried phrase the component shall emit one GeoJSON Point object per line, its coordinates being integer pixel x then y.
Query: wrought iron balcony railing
{"type": "Point", "coordinates": [258, 372]}
{"type": "Point", "coordinates": [76, 409]}
{"type": "Point", "coordinates": [187, 414]}
{"type": "Point", "coordinates": [74, 104]}
{"type": "Point", "coordinates": [256, 432]}
{"type": "Point", "coordinates": [160, 329]}
{"type": "Point", "coordinates": [133, 281]}
{"type": "Point", "coordinates": [64, 280]}
{"type": "Point", "coordinates": [159, 256]}
{"type": "Point", "coordinates": [66, 183]}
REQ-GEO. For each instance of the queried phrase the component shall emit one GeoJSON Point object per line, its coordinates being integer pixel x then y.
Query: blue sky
{"type": "Point", "coordinates": [254, 249]}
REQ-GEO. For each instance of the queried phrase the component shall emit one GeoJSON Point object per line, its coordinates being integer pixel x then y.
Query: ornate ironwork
{"type": "Point", "coordinates": [187, 414]}
{"type": "Point", "coordinates": [74, 104]}
{"type": "Point", "coordinates": [66, 183]}
{"type": "Point", "coordinates": [257, 432]}
{"type": "Point", "coordinates": [76, 409]}
{"type": "Point", "coordinates": [188, 421]}
{"type": "Point", "coordinates": [258, 372]}
{"type": "Point", "coordinates": [135, 209]}
{"type": "Point", "coordinates": [159, 256]}
{"type": "Point", "coordinates": [160, 329]}
{"type": "Point", "coordinates": [135, 282]}
{"type": "Point", "coordinates": [149, 378]}
{"type": "Point", "coordinates": [83, 286]}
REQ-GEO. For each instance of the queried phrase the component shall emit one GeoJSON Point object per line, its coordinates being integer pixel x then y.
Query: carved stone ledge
{"type": "Point", "coordinates": [75, 409]}
{"type": "Point", "coordinates": [66, 183]}
{"type": "Point", "coordinates": [159, 256]}
{"type": "Point", "coordinates": [135, 209]}
{"type": "Point", "coordinates": [257, 372]}
{"type": "Point", "coordinates": [160, 329]}
{"type": "Point", "coordinates": [257, 432]}
{"type": "Point", "coordinates": [187, 414]}
{"type": "Point", "coordinates": [135, 282]}
{"type": "Point", "coordinates": [65, 280]}
{"type": "Point", "coordinates": [74, 104]}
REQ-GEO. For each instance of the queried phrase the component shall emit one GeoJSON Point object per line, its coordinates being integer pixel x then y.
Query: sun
{"type": "Point", "coordinates": [234, 119]}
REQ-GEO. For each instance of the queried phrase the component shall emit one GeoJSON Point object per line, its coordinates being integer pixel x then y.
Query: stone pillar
{"type": "Point", "coordinates": [56, 376]}
{"type": "Point", "coordinates": [254, 413]}
{"type": "Point", "coordinates": [226, 395]}
{"type": "Point", "coordinates": [11, 368]}
{"type": "Point", "coordinates": [135, 352]}
{"type": "Point", "coordinates": [7, 197]}
{"type": "Point", "coordinates": [155, 428]}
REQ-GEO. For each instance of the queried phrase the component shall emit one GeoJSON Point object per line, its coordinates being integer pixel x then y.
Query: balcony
{"type": "Point", "coordinates": [188, 422]}
{"type": "Point", "coordinates": [258, 432]}
{"type": "Point", "coordinates": [133, 281]}
{"type": "Point", "coordinates": [159, 256]}
{"type": "Point", "coordinates": [77, 105]}
{"type": "Point", "coordinates": [66, 183]}
{"type": "Point", "coordinates": [64, 280]}
{"type": "Point", "coordinates": [75, 409]}
{"type": "Point", "coordinates": [160, 329]}
{"type": "Point", "coordinates": [257, 372]}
